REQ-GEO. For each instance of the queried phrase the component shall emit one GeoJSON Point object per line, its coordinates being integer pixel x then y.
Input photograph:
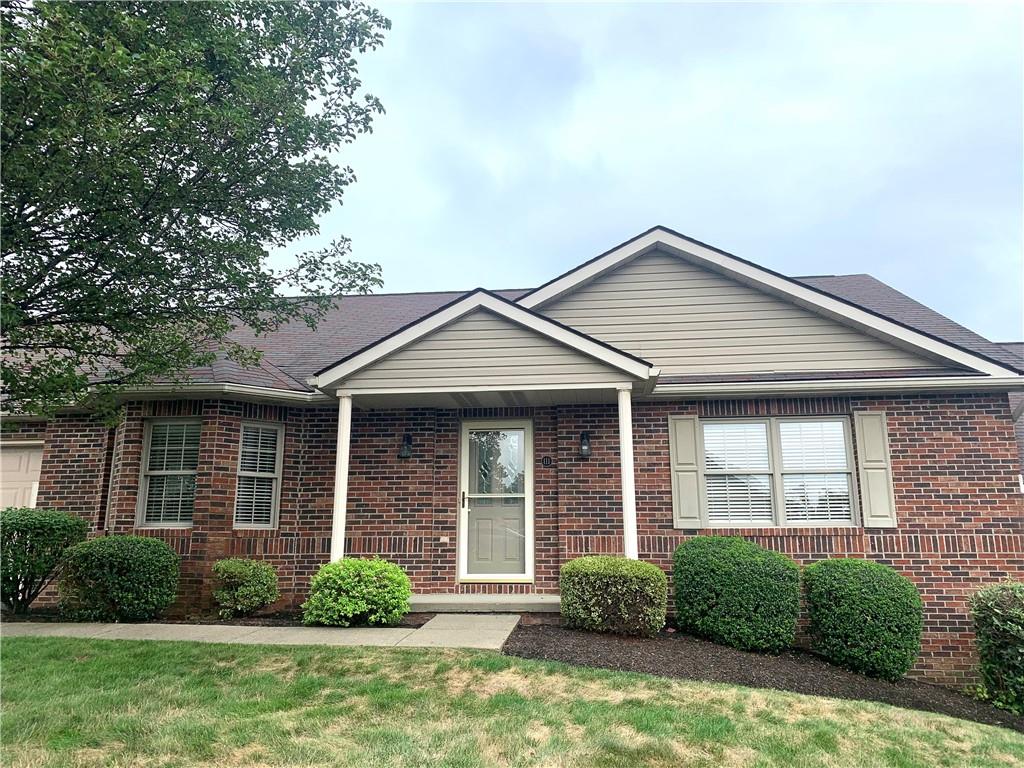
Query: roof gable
{"type": "Point", "coordinates": [765, 280]}
{"type": "Point", "coordinates": [691, 321]}
{"type": "Point", "coordinates": [482, 339]}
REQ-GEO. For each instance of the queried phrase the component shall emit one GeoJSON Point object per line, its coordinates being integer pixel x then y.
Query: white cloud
{"type": "Point", "coordinates": [523, 139]}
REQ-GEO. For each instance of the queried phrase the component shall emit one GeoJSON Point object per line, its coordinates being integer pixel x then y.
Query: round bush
{"type": "Point", "coordinates": [998, 613]}
{"type": "Point", "coordinates": [864, 616]}
{"type": "Point", "coordinates": [613, 594]}
{"type": "Point", "coordinates": [118, 578]}
{"type": "Point", "coordinates": [32, 542]}
{"type": "Point", "coordinates": [244, 586]}
{"type": "Point", "coordinates": [355, 591]}
{"type": "Point", "coordinates": [734, 592]}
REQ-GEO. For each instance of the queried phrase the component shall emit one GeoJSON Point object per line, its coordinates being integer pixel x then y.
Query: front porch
{"type": "Point", "coordinates": [528, 460]}
{"type": "Point", "coordinates": [409, 486]}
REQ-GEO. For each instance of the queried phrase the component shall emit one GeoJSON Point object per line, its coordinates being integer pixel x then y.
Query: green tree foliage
{"type": "Point", "coordinates": [32, 542]}
{"type": "Point", "coordinates": [153, 154]}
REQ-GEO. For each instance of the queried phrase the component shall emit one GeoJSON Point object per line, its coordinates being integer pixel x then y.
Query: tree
{"type": "Point", "coordinates": [153, 154]}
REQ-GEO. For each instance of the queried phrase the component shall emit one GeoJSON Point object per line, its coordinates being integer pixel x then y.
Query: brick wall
{"type": "Point", "coordinates": [960, 512]}
{"type": "Point", "coordinates": [73, 475]}
{"type": "Point", "coordinates": [954, 462]}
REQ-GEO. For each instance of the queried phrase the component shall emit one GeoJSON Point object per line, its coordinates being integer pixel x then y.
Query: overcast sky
{"type": "Point", "coordinates": [521, 140]}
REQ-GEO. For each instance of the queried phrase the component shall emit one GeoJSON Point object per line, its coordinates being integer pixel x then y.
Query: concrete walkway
{"type": "Point", "coordinates": [443, 631]}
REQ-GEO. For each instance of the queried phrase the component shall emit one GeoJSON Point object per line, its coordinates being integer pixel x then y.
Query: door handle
{"type": "Point", "coordinates": [463, 499]}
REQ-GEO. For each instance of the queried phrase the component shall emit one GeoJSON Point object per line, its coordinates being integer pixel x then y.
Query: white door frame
{"type": "Point", "coordinates": [463, 538]}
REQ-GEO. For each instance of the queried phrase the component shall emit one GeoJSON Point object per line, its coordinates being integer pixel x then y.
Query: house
{"type": "Point", "coordinates": [660, 390]}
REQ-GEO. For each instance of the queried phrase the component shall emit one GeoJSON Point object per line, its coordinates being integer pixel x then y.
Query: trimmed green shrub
{"type": "Point", "coordinates": [118, 578]}
{"type": "Point", "coordinates": [355, 591]}
{"type": "Point", "coordinates": [864, 616]}
{"type": "Point", "coordinates": [32, 542]}
{"type": "Point", "coordinates": [244, 586]}
{"type": "Point", "coordinates": [613, 594]}
{"type": "Point", "coordinates": [736, 593]}
{"type": "Point", "coordinates": [998, 613]}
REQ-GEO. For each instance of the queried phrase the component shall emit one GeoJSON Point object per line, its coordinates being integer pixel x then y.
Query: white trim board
{"type": "Point", "coordinates": [480, 299]}
{"type": "Point", "coordinates": [763, 279]}
{"type": "Point", "coordinates": [247, 392]}
{"type": "Point", "coordinates": [845, 386]}
{"type": "Point", "coordinates": [601, 385]}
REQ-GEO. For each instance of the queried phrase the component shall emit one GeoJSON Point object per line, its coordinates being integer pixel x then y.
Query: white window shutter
{"type": "Point", "coordinates": [684, 457]}
{"type": "Point", "coordinates": [877, 498]}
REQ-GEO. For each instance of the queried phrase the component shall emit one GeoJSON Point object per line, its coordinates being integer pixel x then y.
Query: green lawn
{"type": "Point", "coordinates": [94, 702]}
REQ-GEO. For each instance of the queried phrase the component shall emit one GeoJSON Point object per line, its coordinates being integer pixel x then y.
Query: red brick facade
{"type": "Point", "coordinates": [954, 460]}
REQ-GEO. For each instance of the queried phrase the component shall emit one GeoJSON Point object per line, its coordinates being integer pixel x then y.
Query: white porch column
{"type": "Point", "coordinates": [341, 477]}
{"type": "Point", "coordinates": [630, 546]}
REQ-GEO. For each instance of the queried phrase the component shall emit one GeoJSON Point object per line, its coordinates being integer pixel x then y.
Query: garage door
{"type": "Point", "coordinates": [19, 475]}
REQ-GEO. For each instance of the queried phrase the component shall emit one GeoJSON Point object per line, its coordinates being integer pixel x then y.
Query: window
{"type": "Point", "coordinates": [168, 488]}
{"type": "Point", "coordinates": [259, 476]}
{"type": "Point", "coordinates": [737, 473]}
{"type": "Point", "coordinates": [777, 472]}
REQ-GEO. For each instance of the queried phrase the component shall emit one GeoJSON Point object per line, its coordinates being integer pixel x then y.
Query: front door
{"type": "Point", "coordinates": [496, 509]}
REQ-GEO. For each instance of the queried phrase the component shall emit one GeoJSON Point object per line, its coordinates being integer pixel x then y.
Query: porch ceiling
{"type": "Point", "coordinates": [488, 399]}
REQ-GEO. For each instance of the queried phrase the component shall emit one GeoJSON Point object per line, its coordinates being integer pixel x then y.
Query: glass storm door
{"type": "Point", "coordinates": [496, 515]}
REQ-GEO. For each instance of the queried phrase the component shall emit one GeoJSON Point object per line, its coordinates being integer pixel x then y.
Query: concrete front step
{"type": "Point", "coordinates": [465, 603]}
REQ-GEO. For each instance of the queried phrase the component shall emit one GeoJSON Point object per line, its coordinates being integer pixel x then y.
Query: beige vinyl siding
{"type": "Point", "coordinates": [482, 349]}
{"type": "Point", "coordinates": [688, 320]}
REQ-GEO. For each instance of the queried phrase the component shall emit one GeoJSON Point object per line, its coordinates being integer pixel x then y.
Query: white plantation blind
{"type": "Point", "coordinates": [777, 471]}
{"type": "Point", "coordinates": [816, 471]}
{"type": "Point", "coordinates": [259, 449]}
{"type": "Point", "coordinates": [817, 498]}
{"type": "Point", "coordinates": [167, 496]}
{"type": "Point", "coordinates": [739, 499]}
{"type": "Point", "coordinates": [259, 476]}
{"type": "Point", "coordinates": [736, 446]}
{"type": "Point", "coordinates": [813, 445]}
{"type": "Point", "coordinates": [737, 473]}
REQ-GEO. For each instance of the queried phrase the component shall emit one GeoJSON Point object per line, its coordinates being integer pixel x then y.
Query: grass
{"type": "Point", "coordinates": [69, 702]}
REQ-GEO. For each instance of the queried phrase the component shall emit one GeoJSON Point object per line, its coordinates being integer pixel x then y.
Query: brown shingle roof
{"type": "Point", "coordinates": [294, 352]}
{"type": "Point", "coordinates": [1014, 348]}
{"type": "Point", "coordinates": [872, 294]}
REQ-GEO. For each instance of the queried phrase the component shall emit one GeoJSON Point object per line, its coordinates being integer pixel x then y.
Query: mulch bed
{"type": "Point", "coordinates": [678, 655]}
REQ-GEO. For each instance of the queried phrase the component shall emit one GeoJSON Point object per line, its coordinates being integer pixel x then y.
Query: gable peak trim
{"type": "Point", "coordinates": [810, 297]}
{"type": "Point", "coordinates": [482, 299]}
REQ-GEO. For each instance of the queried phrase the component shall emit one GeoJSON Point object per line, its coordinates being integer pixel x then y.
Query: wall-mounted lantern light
{"type": "Point", "coordinates": [405, 450]}
{"type": "Point", "coordinates": [584, 445]}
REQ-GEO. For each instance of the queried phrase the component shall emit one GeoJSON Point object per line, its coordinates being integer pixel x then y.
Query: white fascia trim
{"type": "Point", "coordinates": [846, 386]}
{"type": "Point", "coordinates": [264, 394]}
{"type": "Point", "coordinates": [454, 312]}
{"type": "Point", "coordinates": [609, 385]}
{"type": "Point", "coordinates": [757, 276]}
